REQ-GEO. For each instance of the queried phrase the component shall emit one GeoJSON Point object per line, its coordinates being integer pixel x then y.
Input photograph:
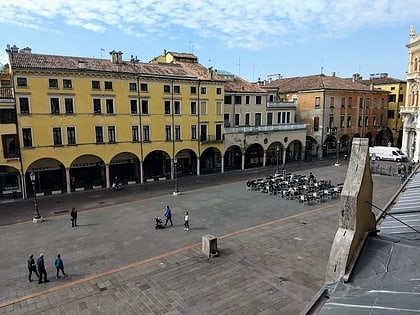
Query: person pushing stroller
{"type": "Point", "coordinates": [168, 215]}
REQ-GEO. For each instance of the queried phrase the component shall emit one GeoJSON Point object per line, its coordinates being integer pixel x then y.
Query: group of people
{"type": "Point", "coordinates": [168, 216]}
{"type": "Point", "coordinates": [40, 270]}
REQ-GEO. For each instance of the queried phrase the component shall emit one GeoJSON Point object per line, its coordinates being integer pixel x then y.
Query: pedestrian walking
{"type": "Point", "coordinates": [403, 177]}
{"type": "Point", "coordinates": [186, 221]}
{"type": "Point", "coordinates": [41, 269]}
{"type": "Point", "coordinates": [73, 217]}
{"type": "Point", "coordinates": [32, 267]}
{"type": "Point", "coordinates": [59, 265]}
{"type": "Point", "coordinates": [168, 215]}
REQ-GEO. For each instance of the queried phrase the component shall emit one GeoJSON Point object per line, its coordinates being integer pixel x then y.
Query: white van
{"type": "Point", "coordinates": [387, 153]}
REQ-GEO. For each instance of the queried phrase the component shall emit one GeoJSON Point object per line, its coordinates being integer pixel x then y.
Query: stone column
{"type": "Point", "coordinates": [198, 166]}
{"type": "Point", "coordinates": [68, 180]}
{"type": "Point", "coordinates": [23, 183]}
{"type": "Point", "coordinates": [302, 153]}
{"type": "Point", "coordinates": [284, 158]}
{"type": "Point", "coordinates": [141, 172]}
{"type": "Point", "coordinates": [243, 160]}
{"type": "Point", "coordinates": [222, 157]}
{"type": "Point", "coordinates": [264, 157]}
{"type": "Point", "coordinates": [107, 181]}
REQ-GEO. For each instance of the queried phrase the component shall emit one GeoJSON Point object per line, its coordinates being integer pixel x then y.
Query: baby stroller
{"type": "Point", "coordinates": [159, 223]}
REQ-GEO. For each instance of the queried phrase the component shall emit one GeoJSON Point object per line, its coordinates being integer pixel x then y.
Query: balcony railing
{"type": "Point", "coordinates": [6, 94]}
{"type": "Point", "coordinates": [210, 139]}
{"type": "Point", "coordinates": [281, 104]}
{"type": "Point", "coordinates": [285, 127]}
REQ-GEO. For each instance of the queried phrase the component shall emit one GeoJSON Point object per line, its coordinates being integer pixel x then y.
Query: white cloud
{"type": "Point", "coordinates": [237, 23]}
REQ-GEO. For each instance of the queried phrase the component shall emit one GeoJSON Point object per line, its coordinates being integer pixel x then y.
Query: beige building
{"type": "Point", "coordinates": [259, 130]}
{"type": "Point", "coordinates": [410, 112]}
{"type": "Point", "coordinates": [336, 110]}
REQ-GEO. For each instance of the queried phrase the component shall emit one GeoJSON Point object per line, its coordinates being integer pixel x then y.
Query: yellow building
{"type": "Point", "coordinates": [396, 100]}
{"type": "Point", "coordinates": [82, 122]}
{"type": "Point", "coordinates": [10, 164]}
{"type": "Point", "coordinates": [259, 130]}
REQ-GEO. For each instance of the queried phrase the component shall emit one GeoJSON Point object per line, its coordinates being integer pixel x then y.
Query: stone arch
{"type": "Point", "coordinates": [254, 156]}
{"type": "Point", "coordinates": [157, 164]}
{"type": "Point", "coordinates": [210, 161]}
{"type": "Point", "coordinates": [87, 171]}
{"type": "Point", "coordinates": [294, 151]}
{"type": "Point", "coordinates": [186, 162]}
{"type": "Point", "coordinates": [233, 158]}
{"type": "Point", "coordinates": [50, 176]}
{"type": "Point", "coordinates": [10, 182]}
{"type": "Point", "coordinates": [275, 154]}
{"type": "Point", "coordinates": [126, 167]}
{"type": "Point", "coordinates": [311, 148]}
{"type": "Point", "coordinates": [330, 146]}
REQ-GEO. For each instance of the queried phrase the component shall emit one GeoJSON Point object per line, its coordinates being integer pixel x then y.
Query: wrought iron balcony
{"type": "Point", "coordinates": [211, 139]}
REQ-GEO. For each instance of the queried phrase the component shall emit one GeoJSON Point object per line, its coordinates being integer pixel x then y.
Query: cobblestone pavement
{"type": "Point", "coordinates": [272, 254]}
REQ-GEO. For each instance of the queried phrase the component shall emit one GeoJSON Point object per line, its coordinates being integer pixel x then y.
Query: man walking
{"type": "Point", "coordinates": [32, 267]}
{"type": "Point", "coordinates": [168, 215]}
{"type": "Point", "coordinates": [73, 217]}
{"type": "Point", "coordinates": [59, 265]}
{"type": "Point", "coordinates": [41, 268]}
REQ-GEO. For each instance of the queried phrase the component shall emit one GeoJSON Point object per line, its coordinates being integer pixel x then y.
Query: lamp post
{"type": "Point", "coordinates": [277, 158]}
{"type": "Point", "coordinates": [176, 191]}
{"type": "Point", "coordinates": [337, 163]}
{"type": "Point", "coordinates": [37, 217]}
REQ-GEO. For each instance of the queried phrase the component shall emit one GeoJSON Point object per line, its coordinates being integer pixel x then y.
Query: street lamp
{"type": "Point", "coordinates": [277, 158]}
{"type": "Point", "coordinates": [37, 217]}
{"type": "Point", "coordinates": [337, 163]}
{"type": "Point", "coordinates": [176, 191]}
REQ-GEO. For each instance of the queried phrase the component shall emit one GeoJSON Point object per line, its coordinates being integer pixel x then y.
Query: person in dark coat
{"type": "Point", "coordinates": [59, 265]}
{"type": "Point", "coordinates": [73, 217]}
{"type": "Point", "coordinates": [32, 267]}
{"type": "Point", "coordinates": [41, 268]}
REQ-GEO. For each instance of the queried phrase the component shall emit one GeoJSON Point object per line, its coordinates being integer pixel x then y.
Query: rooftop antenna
{"type": "Point", "coordinates": [239, 65]}
{"type": "Point", "coordinates": [191, 47]}
{"type": "Point", "coordinates": [102, 50]}
{"type": "Point", "coordinates": [209, 62]}
{"type": "Point", "coordinates": [322, 65]}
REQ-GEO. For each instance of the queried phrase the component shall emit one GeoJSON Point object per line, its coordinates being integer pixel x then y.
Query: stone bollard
{"type": "Point", "coordinates": [209, 245]}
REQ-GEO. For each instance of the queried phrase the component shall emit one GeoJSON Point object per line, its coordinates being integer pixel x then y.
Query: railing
{"type": "Point", "coordinates": [6, 93]}
{"type": "Point", "coordinates": [281, 104]}
{"type": "Point", "coordinates": [285, 127]}
{"type": "Point", "coordinates": [211, 139]}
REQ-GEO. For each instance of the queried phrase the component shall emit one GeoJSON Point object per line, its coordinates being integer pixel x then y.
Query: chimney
{"type": "Point", "coordinates": [119, 57]}
{"type": "Point", "coordinates": [82, 64]}
{"type": "Point", "coordinates": [113, 55]}
{"type": "Point", "coordinates": [333, 74]}
{"type": "Point", "coordinates": [26, 50]}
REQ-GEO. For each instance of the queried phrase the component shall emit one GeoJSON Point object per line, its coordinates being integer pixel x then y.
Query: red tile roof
{"type": "Point", "coordinates": [54, 62]}
{"type": "Point", "coordinates": [239, 85]}
{"type": "Point", "coordinates": [387, 80]}
{"type": "Point", "coordinates": [315, 82]}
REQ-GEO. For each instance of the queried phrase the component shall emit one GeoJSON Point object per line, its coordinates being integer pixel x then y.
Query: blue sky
{"type": "Point", "coordinates": [253, 39]}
